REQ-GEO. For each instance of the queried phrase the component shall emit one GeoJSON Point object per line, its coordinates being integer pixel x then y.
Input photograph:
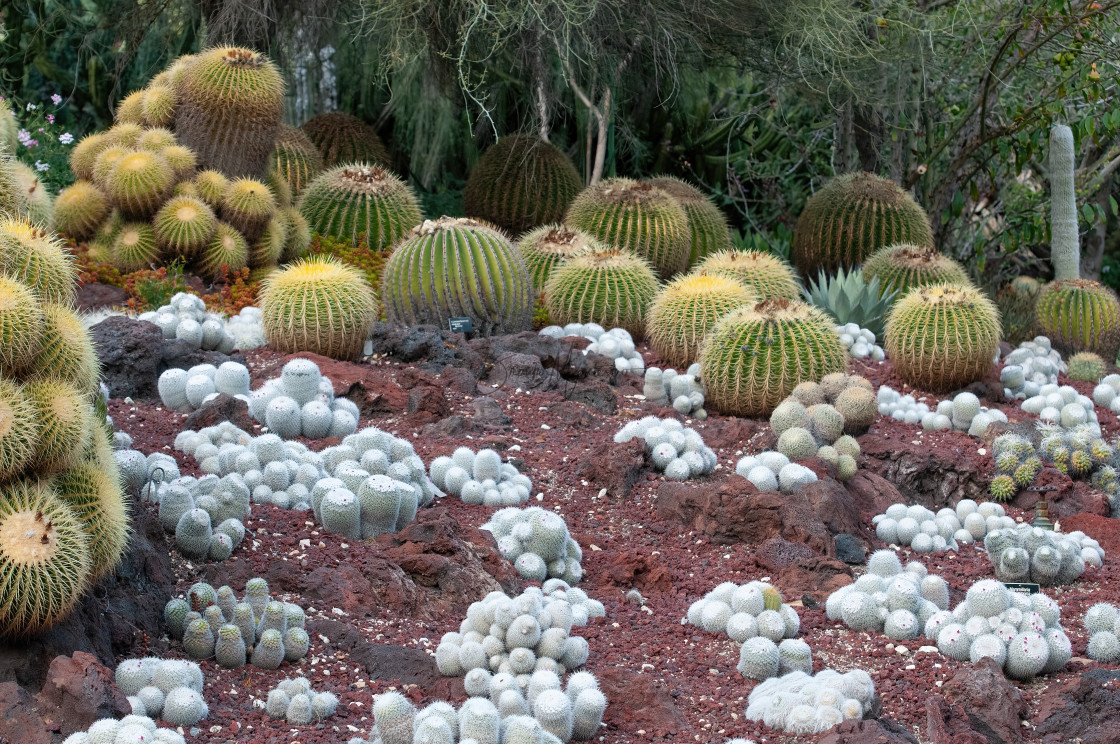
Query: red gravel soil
{"type": "Point", "coordinates": [682, 685]}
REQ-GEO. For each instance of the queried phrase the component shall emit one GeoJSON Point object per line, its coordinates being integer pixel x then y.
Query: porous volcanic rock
{"type": "Point", "coordinates": [130, 355]}
{"type": "Point", "coordinates": [1070, 497]}
{"type": "Point", "coordinates": [78, 691]}
{"type": "Point", "coordinates": [870, 731]}
{"type": "Point", "coordinates": [992, 703]}
{"type": "Point", "coordinates": [19, 720]}
{"type": "Point", "coordinates": [934, 475]}
{"type": "Point", "coordinates": [615, 466]}
{"type": "Point", "coordinates": [638, 698]}
{"type": "Point", "coordinates": [1085, 709]}
{"type": "Point", "coordinates": [426, 346]}
{"type": "Point", "coordinates": [223, 408]}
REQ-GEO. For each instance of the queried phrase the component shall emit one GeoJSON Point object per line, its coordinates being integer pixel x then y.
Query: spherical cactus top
{"type": "Point", "coordinates": [184, 225]}
{"type": "Point", "coordinates": [548, 246]}
{"type": "Point", "coordinates": [1086, 367]}
{"type": "Point", "coordinates": [906, 266]}
{"type": "Point", "coordinates": [853, 216]}
{"type": "Point", "coordinates": [85, 152]}
{"type": "Point", "coordinates": [79, 209]}
{"type": "Point", "coordinates": [139, 182]}
{"type": "Point", "coordinates": [37, 259]}
{"type": "Point", "coordinates": [295, 158]}
{"type": "Point", "coordinates": [158, 105]}
{"type": "Point", "coordinates": [1080, 315]}
{"type": "Point", "coordinates": [610, 287]}
{"type": "Point", "coordinates": [708, 224]}
{"type": "Point", "coordinates": [130, 109]}
{"type": "Point", "coordinates": [764, 273]}
{"type": "Point", "coordinates": [636, 217]}
{"type": "Point", "coordinates": [942, 336]}
{"type": "Point", "coordinates": [342, 138]}
{"type": "Point", "coordinates": [687, 309]}
{"type": "Point", "coordinates": [520, 183]}
{"type": "Point", "coordinates": [351, 200]}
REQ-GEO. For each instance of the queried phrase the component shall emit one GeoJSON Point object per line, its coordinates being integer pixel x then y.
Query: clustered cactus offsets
{"type": "Point", "coordinates": [1102, 623]}
{"type": "Point", "coordinates": [207, 515]}
{"type": "Point", "coordinates": [918, 528]}
{"type": "Point", "coordinates": [132, 729]}
{"type": "Point", "coordinates": [1064, 407]}
{"type": "Point", "coordinates": [1030, 366]}
{"type": "Point", "coordinates": [616, 344]}
{"type": "Point", "coordinates": [771, 471]}
{"type": "Point", "coordinates": [889, 599]}
{"type": "Point", "coordinates": [301, 403]}
{"type": "Point", "coordinates": [295, 701]}
{"type": "Point", "coordinates": [685, 392]}
{"type": "Point", "coordinates": [480, 478]}
{"type": "Point", "coordinates": [1107, 393]}
{"type": "Point", "coordinates": [962, 413]}
{"type": "Point", "coordinates": [187, 390]}
{"type": "Point", "coordinates": [1079, 452]}
{"type": "Point", "coordinates": [185, 317]}
{"type": "Point", "coordinates": [165, 688]}
{"type": "Point", "coordinates": [803, 703]}
{"type": "Point", "coordinates": [1025, 553]}
{"type": "Point", "coordinates": [676, 450]}
{"type": "Point", "coordinates": [538, 543]}
{"type": "Point", "coordinates": [212, 623]}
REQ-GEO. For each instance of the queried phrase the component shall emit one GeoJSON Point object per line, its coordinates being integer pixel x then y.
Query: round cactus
{"type": "Point", "coordinates": [134, 247]}
{"type": "Point", "coordinates": [181, 159]}
{"type": "Point", "coordinates": [1080, 315]}
{"type": "Point", "coordinates": [130, 109]}
{"type": "Point", "coordinates": [96, 499]}
{"type": "Point", "coordinates": [21, 320]}
{"type": "Point", "coordinates": [19, 429]}
{"type": "Point", "coordinates": [299, 235]}
{"type": "Point", "coordinates": [230, 105]}
{"type": "Point", "coordinates": [138, 183]}
{"type": "Point", "coordinates": [636, 217]}
{"type": "Point", "coordinates": [37, 202]}
{"type": "Point", "coordinates": [158, 105]}
{"type": "Point", "coordinates": [520, 183]}
{"type": "Point", "coordinates": [546, 247]}
{"type": "Point", "coordinates": [212, 187]}
{"type": "Point", "coordinates": [226, 247]}
{"type": "Point", "coordinates": [353, 200]}
{"type": "Point", "coordinates": [905, 266]}
{"type": "Point", "coordinates": [184, 226]}
{"type": "Point", "coordinates": [248, 205]}
{"type": "Point", "coordinates": [38, 260]}
{"type": "Point", "coordinates": [342, 138]}
{"type": "Point", "coordinates": [65, 423]}
{"type": "Point", "coordinates": [269, 247]}
{"type": "Point", "coordinates": [85, 152]}
{"type": "Point", "coordinates": [710, 232]}
{"type": "Point", "coordinates": [755, 356]}
{"type": "Point", "coordinates": [67, 351]}
{"type": "Point", "coordinates": [295, 159]}
{"type": "Point", "coordinates": [79, 209]}
{"type": "Point", "coordinates": [156, 139]}
{"type": "Point", "coordinates": [1086, 367]}
{"type": "Point", "coordinates": [942, 337]}
{"type": "Point", "coordinates": [609, 287]}
{"type": "Point", "coordinates": [318, 305]}
{"type": "Point", "coordinates": [687, 309]}
{"type": "Point", "coordinates": [853, 216]}
{"type": "Point", "coordinates": [763, 273]}
{"type": "Point", "coordinates": [451, 268]}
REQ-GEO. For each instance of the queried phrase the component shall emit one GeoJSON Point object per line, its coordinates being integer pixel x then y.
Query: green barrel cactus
{"type": "Point", "coordinates": [636, 217]}
{"type": "Point", "coordinates": [79, 209]}
{"type": "Point", "coordinates": [755, 356]}
{"type": "Point", "coordinates": [520, 183]}
{"type": "Point", "coordinates": [352, 200]}
{"type": "Point", "coordinates": [546, 247]}
{"type": "Point", "coordinates": [1079, 315]}
{"type": "Point", "coordinates": [942, 337]}
{"type": "Point", "coordinates": [1086, 367]}
{"type": "Point", "coordinates": [710, 232]}
{"type": "Point", "coordinates": [610, 287]}
{"type": "Point", "coordinates": [451, 268]}
{"type": "Point", "coordinates": [764, 273]}
{"type": "Point", "coordinates": [852, 217]}
{"type": "Point", "coordinates": [342, 138]}
{"type": "Point", "coordinates": [686, 310]}
{"type": "Point", "coordinates": [295, 159]}
{"type": "Point", "coordinates": [905, 266]}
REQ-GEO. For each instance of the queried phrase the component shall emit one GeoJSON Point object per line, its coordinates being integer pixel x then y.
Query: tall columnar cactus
{"type": "Point", "coordinates": [764, 273]}
{"type": "Point", "coordinates": [708, 224]}
{"type": "Point", "coordinates": [318, 305]}
{"type": "Point", "coordinates": [755, 356]}
{"type": "Point", "coordinates": [610, 287]}
{"type": "Point", "coordinates": [230, 104]}
{"type": "Point", "coordinates": [905, 266]}
{"type": "Point", "coordinates": [852, 217]}
{"type": "Point", "coordinates": [687, 309]}
{"type": "Point", "coordinates": [636, 217]}
{"type": "Point", "coordinates": [1065, 249]}
{"type": "Point", "coordinates": [943, 336]}
{"type": "Point", "coordinates": [546, 247]}
{"type": "Point", "coordinates": [295, 159]}
{"type": "Point", "coordinates": [342, 138]}
{"type": "Point", "coordinates": [450, 268]}
{"type": "Point", "coordinates": [357, 199]}
{"type": "Point", "coordinates": [1079, 315]}
{"type": "Point", "coordinates": [520, 183]}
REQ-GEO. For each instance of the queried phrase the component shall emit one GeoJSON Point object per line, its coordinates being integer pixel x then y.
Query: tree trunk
{"type": "Point", "coordinates": [867, 128]}
{"type": "Point", "coordinates": [1092, 253]}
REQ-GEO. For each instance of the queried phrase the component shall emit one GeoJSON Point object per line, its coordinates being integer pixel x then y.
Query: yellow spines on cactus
{"type": "Point", "coordinates": [19, 429]}
{"type": "Point", "coordinates": [320, 305]}
{"type": "Point", "coordinates": [65, 423]}
{"type": "Point", "coordinates": [707, 223]}
{"type": "Point", "coordinates": [130, 109]}
{"type": "Point", "coordinates": [299, 235]}
{"type": "Point", "coordinates": [351, 200]}
{"type": "Point", "coordinates": [226, 247]}
{"type": "Point", "coordinates": [1079, 315]}
{"type": "Point", "coordinates": [37, 259]}
{"type": "Point", "coordinates": [184, 226]}
{"type": "Point", "coordinates": [269, 247]}
{"type": "Point", "coordinates": [606, 286]}
{"type": "Point", "coordinates": [636, 217]}
{"type": "Point", "coordinates": [101, 245]}
{"type": "Point", "coordinates": [1002, 488]}
{"type": "Point", "coordinates": [85, 152]}
{"type": "Point", "coordinates": [248, 205]}
{"type": "Point", "coordinates": [942, 337]}
{"type": "Point", "coordinates": [1086, 367]}
{"type": "Point", "coordinates": [771, 598]}
{"type": "Point", "coordinates": [44, 557]}
{"type": "Point", "coordinates": [134, 247]}
{"type": "Point", "coordinates": [139, 183]}
{"type": "Point", "coordinates": [11, 198]}
{"type": "Point", "coordinates": [755, 356]}
{"type": "Point", "coordinates": [904, 266]}
{"type": "Point", "coordinates": [686, 309]}
{"type": "Point", "coordinates": [67, 351]}
{"type": "Point", "coordinates": [280, 188]}
{"type": "Point", "coordinates": [181, 159]}
{"type": "Point", "coordinates": [853, 216]}
{"type": "Point", "coordinates": [158, 105]}
{"type": "Point", "coordinates": [156, 139]}
{"type": "Point", "coordinates": [124, 135]}
{"type": "Point", "coordinates": [548, 246]}
{"type": "Point", "coordinates": [763, 273]}
{"type": "Point", "coordinates": [212, 186]}
{"type": "Point", "coordinates": [97, 501]}
{"type": "Point", "coordinates": [38, 204]}
{"type": "Point", "coordinates": [9, 128]}
{"type": "Point", "coordinates": [341, 138]}
{"type": "Point", "coordinates": [520, 183]}
{"type": "Point", "coordinates": [295, 158]}
{"type": "Point", "coordinates": [21, 323]}
{"type": "Point", "coordinates": [79, 209]}
{"type": "Point", "coordinates": [230, 105]}
{"type": "Point", "coordinates": [105, 161]}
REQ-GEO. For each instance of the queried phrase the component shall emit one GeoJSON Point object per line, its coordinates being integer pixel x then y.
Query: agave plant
{"type": "Point", "coordinates": [848, 298]}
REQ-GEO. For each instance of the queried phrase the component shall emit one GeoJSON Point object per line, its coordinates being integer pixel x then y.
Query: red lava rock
{"type": "Point", "coordinates": [615, 466]}
{"type": "Point", "coordinates": [19, 721]}
{"type": "Point", "coordinates": [94, 295]}
{"type": "Point", "coordinates": [1071, 497]}
{"type": "Point", "coordinates": [458, 379]}
{"type": "Point", "coordinates": [1104, 530]}
{"type": "Point", "coordinates": [78, 691]}
{"type": "Point", "coordinates": [636, 570]}
{"type": "Point", "coordinates": [777, 554]}
{"type": "Point", "coordinates": [948, 724]}
{"type": "Point", "coordinates": [993, 704]}
{"type": "Point", "coordinates": [817, 576]}
{"type": "Point", "coordinates": [872, 731]}
{"type": "Point", "coordinates": [872, 493]}
{"type": "Point", "coordinates": [1087, 710]}
{"type": "Point", "coordinates": [223, 408]}
{"type": "Point", "coordinates": [639, 701]}
{"type": "Point", "coordinates": [428, 403]}
{"type": "Point", "coordinates": [835, 506]}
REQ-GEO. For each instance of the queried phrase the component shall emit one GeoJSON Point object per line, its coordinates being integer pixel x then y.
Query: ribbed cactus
{"type": "Point", "coordinates": [95, 498]}
{"type": "Point", "coordinates": [521, 183]}
{"type": "Point", "coordinates": [905, 266]}
{"type": "Point", "coordinates": [763, 273]}
{"type": "Point", "coordinates": [226, 247]}
{"type": "Point", "coordinates": [138, 183]}
{"type": "Point", "coordinates": [269, 652]}
{"type": "Point", "coordinates": [184, 226]}
{"type": "Point", "coordinates": [230, 105]}
{"type": "Point", "coordinates": [37, 259]}
{"type": "Point", "coordinates": [79, 209]}
{"type": "Point", "coordinates": [295, 159]}
{"type": "Point", "coordinates": [65, 424]}
{"type": "Point", "coordinates": [1065, 248]}
{"type": "Point", "coordinates": [1079, 315]}
{"type": "Point", "coordinates": [37, 202]}
{"type": "Point", "coordinates": [637, 217]}
{"type": "Point", "coordinates": [451, 268]}
{"type": "Point", "coordinates": [707, 223]}
{"type": "Point", "coordinates": [686, 309]}
{"type": "Point", "coordinates": [755, 356]}
{"type": "Point", "coordinates": [248, 205]}
{"type": "Point", "coordinates": [158, 105]}
{"type": "Point", "coordinates": [134, 247]}
{"type": "Point", "coordinates": [548, 246]}
{"type": "Point", "coordinates": [342, 138]}
{"type": "Point", "coordinates": [610, 287]}
{"type": "Point", "coordinates": [942, 337]}
{"type": "Point", "coordinates": [130, 109]}
{"type": "Point", "coordinates": [853, 216]}
{"type": "Point", "coordinates": [85, 152]}
{"type": "Point", "coordinates": [1086, 367]}
{"type": "Point", "coordinates": [357, 199]}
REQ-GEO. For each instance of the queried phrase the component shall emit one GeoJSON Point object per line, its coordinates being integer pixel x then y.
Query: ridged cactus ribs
{"type": "Point", "coordinates": [1080, 315]}
{"type": "Point", "coordinates": [611, 287]}
{"type": "Point", "coordinates": [906, 266]}
{"type": "Point", "coordinates": [687, 309]}
{"type": "Point", "coordinates": [707, 223]}
{"type": "Point", "coordinates": [548, 246]}
{"type": "Point", "coordinates": [357, 199]}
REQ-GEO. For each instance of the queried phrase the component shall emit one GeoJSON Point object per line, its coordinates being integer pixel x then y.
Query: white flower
{"type": "Point", "coordinates": [41, 166]}
{"type": "Point", "coordinates": [30, 107]}
{"type": "Point", "coordinates": [66, 138]}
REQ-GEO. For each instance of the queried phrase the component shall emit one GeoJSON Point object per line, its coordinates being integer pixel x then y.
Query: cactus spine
{"type": "Point", "coordinates": [342, 138]}
{"type": "Point", "coordinates": [548, 246]}
{"type": "Point", "coordinates": [708, 225]}
{"type": "Point", "coordinates": [763, 273]}
{"type": "Point", "coordinates": [1079, 315]}
{"type": "Point", "coordinates": [295, 159]}
{"type": "Point", "coordinates": [904, 267]}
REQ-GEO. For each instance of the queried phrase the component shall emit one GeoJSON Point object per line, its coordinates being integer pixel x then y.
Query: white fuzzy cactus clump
{"type": "Point", "coordinates": [295, 701]}
{"type": "Point", "coordinates": [246, 328]}
{"type": "Point", "coordinates": [1102, 625]}
{"type": "Point", "coordinates": [1045, 557]}
{"type": "Point", "coordinates": [301, 403]}
{"type": "Point", "coordinates": [170, 689]}
{"type": "Point", "coordinates": [185, 318]}
{"type": "Point", "coordinates": [685, 392]}
{"type": "Point", "coordinates": [772, 471]}
{"type": "Point", "coordinates": [677, 450]}
{"type": "Point", "coordinates": [187, 390]}
{"type": "Point", "coordinates": [1021, 632]}
{"type": "Point", "coordinates": [905, 408]}
{"type": "Point", "coordinates": [1107, 393]}
{"type": "Point", "coordinates": [1065, 407]}
{"type": "Point", "coordinates": [889, 598]}
{"type": "Point", "coordinates": [860, 342]}
{"type": "Point", "coordinates": [616, 344]}
{"type": "Point", "coordinates": [802, 703]}
{"type": "Point", "coordinates": [538, 543]}
{"type": "Point", "coordinates": [134, 728]}
{"type": "Point", "coordinates": [1028, 368]}
{"type": "Point", "coordinates": [919, 528]}
{"type": "Point", "coordinates": [480, 478]}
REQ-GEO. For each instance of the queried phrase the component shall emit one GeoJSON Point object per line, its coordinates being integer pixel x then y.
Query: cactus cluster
{"type": "Point", "coordinates": [301, 403]}
{"type": "Point", "coordinates": [1107, 393]}
{"type": "Point", "coordinates": [342, 138]}
{"type": "Point", "coordinates": [608, 287]}
{"type": "Point", "coordinates": [889, 599]}
{"type": "Point", "coordinates": [1102, 625]}
{"type": "Point", "coordinates": [480, 478]}
{"type": "Point", "coordinates": [822, 419]}
{"type": "Point", "coordinates": [1030, 366]}
{"type": "Point", "coordinates": [1085, 366]}
{"type": "Point", "coordinates": [918, 528]}
{"type": "Point", "coordinates": [1045, 557]}
{"type": "Point", "coordinates": [295, 160]}
{"type": "Point", "coordinates": [186, 390]}
{"type": "Point", "coordinates": [860, 342]}
{"type": "Point", "coordinates": [207, 515]}
{"type": "Point", "coordinates": [1021, 632]}
{"type": "Point", "coordinates": [1063, 406]}
{"type": "Point", "coordinates": [616, 344]}
{"type": "Point", "coordinates": [706, 222]}
{"type": "Point", "coordinates": [537, 542]}
{"type": "Point", "coordinates": [169, 689]}
{"type": "Point", "coordinates": [962, 413]}
{"type": "Point", "coordinates": [184, 317]}
{"type": "Point", "coordinates": [356, 199]}
{"type": "Point", "coordinates": [1081, 453]}
{"type": "Point", "coordinates": [686, 309]}
{"type": "Point", "coordinates": [675, 449]}
{"type": "Point", "coordinates": [763, 273]}
{"type": "Point", "coordinates": [296, 702]}
{"type": "Point", "coordinates": [804, 703]}
{"type": "Point", "coordinates": [137, 728]}
{"type": "Point", "coordinates": [548, 246]}
{"type": "Point", "coordinates": [849, 298]}
{"type": "Point", "coordinates": [1079, 315]}
{"type": "Point", "coordinates": [1017, 465]}
{"type": "Point", "coordinates": [685, 392]}
{"type": "Point", "coordinates": [213, 623]}
{"type": "Point", "coordinates": [771, 471]}
{"type": "Point", "coordinates": [902, 267]}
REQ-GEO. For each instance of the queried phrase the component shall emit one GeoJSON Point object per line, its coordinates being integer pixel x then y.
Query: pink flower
{"type": "Point", "coordinates": [50, 118]}
{"type": "Point", "coordinates": [56, 99]}
{"type": "Point", "coordinates": [66, 138]}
